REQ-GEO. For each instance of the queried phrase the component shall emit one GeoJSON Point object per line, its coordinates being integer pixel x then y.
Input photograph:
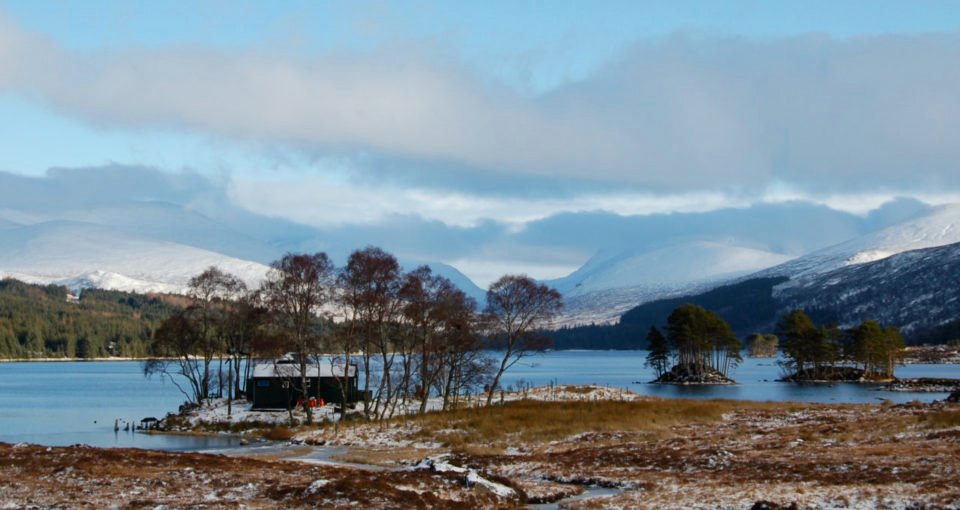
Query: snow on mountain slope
{"type": "Point", "coordinates": [913, 290]}
{"type": "Point", "coordinates": [459, 279]}
{"type": "Point", "coordinates": [85, 255]}
{"type": "Point", "coordinates": [670, 266]}
{"type": "Point", "coordinates": [939, 227]}
{"type": "Point", "coordinates": [154, 248]}
{"type": "Point", "coordinates": [613, 282]}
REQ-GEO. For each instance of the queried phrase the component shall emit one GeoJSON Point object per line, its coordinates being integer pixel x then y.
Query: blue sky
{"type": "Point", "coordinates": [466, 113]}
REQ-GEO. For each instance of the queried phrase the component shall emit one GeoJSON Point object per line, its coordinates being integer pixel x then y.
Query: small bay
{"type": "Point", "coordinates": [68, 402]}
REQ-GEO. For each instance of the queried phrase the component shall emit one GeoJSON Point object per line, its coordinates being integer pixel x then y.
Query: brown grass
{"type": "Point", "coordinates": [536, 422]}
{"type": "Point", "coordinates": [941, 419]}
{"type": "Point", "coordinates": [175, 421]}
{"type": "Point", "coordinates": [381, 457]}
{"type": "Point", "coordinates": [279, 433]}
{"type": "Point", "coordinates": [83, 477]}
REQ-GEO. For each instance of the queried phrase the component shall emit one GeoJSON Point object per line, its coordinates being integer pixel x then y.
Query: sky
{"type": "Point", "coordinates": [439, 119]}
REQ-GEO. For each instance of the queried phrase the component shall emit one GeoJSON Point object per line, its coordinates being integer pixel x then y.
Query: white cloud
{"type": "Point", "coordinates": [859, 203]}
{"type": "Point", "coordinates": [329, 202]}
{"type": "Point", "coordinates": [679, 114]}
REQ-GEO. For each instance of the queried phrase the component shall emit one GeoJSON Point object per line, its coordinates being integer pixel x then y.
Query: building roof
{"type": "Point", "coordinates": [270, 369]}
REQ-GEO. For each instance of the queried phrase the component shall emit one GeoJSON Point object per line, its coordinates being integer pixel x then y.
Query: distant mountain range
{"type": "Point", "coordinates": [938, 227]}
{"type": "Point", "coordinates": [88, 239]}
{"type": "Point", "coordinates": [907, 275]}
{"type": "Point", "coordinates": [613, 282]}
{"type": "Point", "coordinates": [917, 291]}
{"type": "Point", "coordinates": [150, 247]}
{"type": "Point", "coordinates": [83, 255]}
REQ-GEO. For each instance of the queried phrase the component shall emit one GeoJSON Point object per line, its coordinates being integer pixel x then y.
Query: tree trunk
{"type": "Point", "coordinates": [496, 378]}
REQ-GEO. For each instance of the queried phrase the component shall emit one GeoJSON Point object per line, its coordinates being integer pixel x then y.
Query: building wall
{"type": "Point", "coordinates": [281, 393]}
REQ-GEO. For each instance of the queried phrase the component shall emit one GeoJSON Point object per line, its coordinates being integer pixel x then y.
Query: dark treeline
{"type": "Point", "coordinates": [943, 334]}
{"type": "Point", "coordinates": [600, 337]}
{"type": "Point", "coordinates": [741, 304]}
{"type": "Point", "coordinates": [37, 321]}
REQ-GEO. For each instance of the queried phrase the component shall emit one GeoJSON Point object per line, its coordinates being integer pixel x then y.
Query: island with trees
{"type": "Point", "coordinates": [868, 352]}
{"type": "Point", "coordinates": [700, 345]}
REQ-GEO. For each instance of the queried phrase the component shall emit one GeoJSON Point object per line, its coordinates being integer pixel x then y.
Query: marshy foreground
{"type": "Point", "coordinates": [545, 445]}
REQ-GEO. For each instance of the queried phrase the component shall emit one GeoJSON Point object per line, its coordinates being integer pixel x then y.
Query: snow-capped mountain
{"type": "Point", "coordinates": [938, 227]}
{"type": "Point", "coordinates": [453, 274]}
{"type": "Point", "coordinates": [143, 247]}
{"type": "Point", "coordinates": [80, 255]}
{"type": "Point", "coordinates": [668, 266]}
{"type": "Point", "coordinates": [153, 231]}
{"type": "Point", "coordinates": [906, 275]}
{"type": "Point", "coordinates": [613, 282]}
{"type": "Point", "coordinates": [913, 290]}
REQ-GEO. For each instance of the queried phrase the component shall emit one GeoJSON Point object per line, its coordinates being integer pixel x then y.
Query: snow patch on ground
{"type": "Point", "coordinates": [316, 485]}
{"type": "Point", "coordinates": [441, 464]}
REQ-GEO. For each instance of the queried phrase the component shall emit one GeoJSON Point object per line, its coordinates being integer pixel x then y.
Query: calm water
{"type": "Point", "coordinates": [755, 379]}
{"type": "Point", "coordinates": [63, 403]}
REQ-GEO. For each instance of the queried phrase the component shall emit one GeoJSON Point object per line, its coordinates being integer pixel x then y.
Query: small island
{"type": "Point", "coordinates": [867, 353]}
{"type": "Point", "coordinates": [702, 345]}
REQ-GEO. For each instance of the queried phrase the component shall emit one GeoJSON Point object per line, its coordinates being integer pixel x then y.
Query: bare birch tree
{"type": "Point", "coordinates": [517, 308]}
{"type": "Point", "coordinates": [370, 284]}
{"type": "Point", "coordinates": [296, 289]}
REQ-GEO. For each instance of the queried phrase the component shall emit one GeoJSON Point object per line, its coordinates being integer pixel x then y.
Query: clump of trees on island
{"type": "Point", "coordinates": [763, 345]}
{"type": "Point", "coordinates": [411, 334]}
{"type": "Point", "coordinates": [699, 348]}
{"type": "Point", "coordinates": [827, 353]}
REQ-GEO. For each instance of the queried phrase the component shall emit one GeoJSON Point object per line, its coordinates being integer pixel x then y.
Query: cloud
{"type": "Point", "coordinates": [63, 189]}
{"type": "Point", "coordinates": [324, 202]}
{"type": "Point", "coordinates": [677, 114]}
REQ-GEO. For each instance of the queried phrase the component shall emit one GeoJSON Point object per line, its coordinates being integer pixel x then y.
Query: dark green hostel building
{"type": "Point", "coordinates": [276, 384]}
